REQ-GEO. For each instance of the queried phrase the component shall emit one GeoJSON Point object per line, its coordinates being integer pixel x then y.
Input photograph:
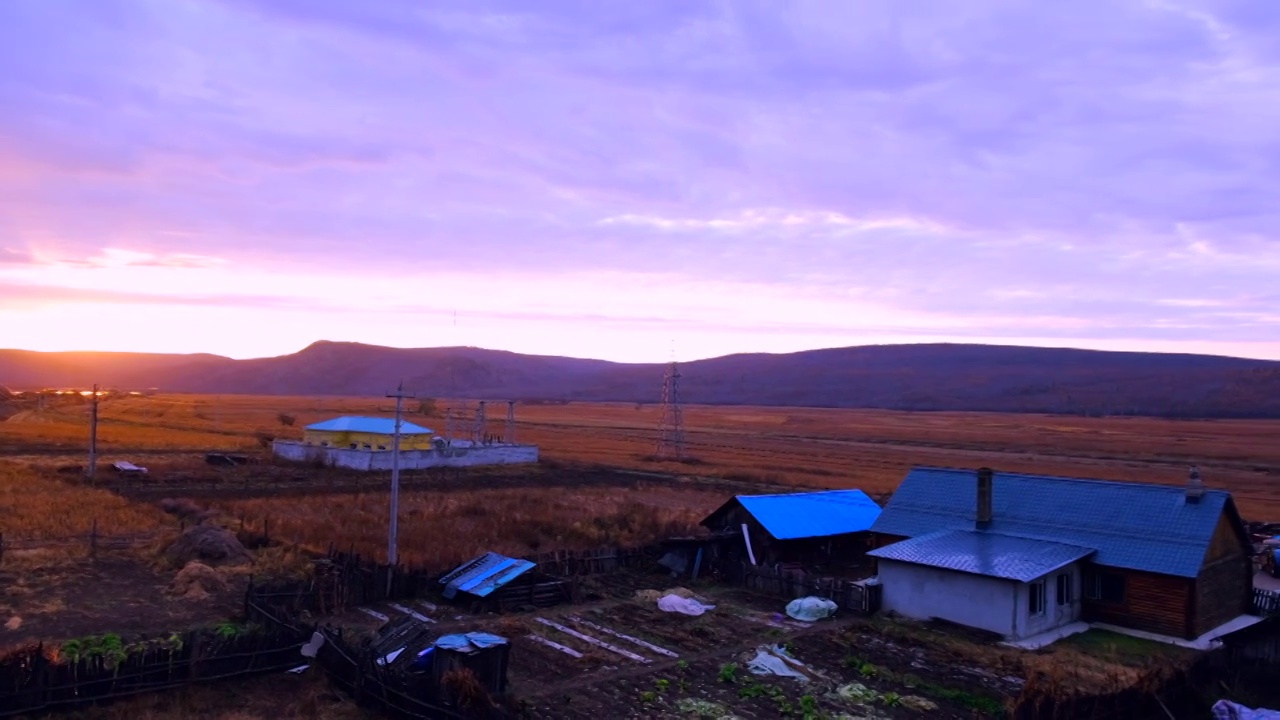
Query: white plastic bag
{"type": "Point", "coordinates": [686, 606]}
{"type": "Point", "coordinates": [811, 608]}
{"type": "Point", "coordinates": [775, 661]}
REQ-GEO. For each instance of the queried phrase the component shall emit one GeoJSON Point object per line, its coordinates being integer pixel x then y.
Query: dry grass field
{"type": "Point", "coordinates": [805, 447]}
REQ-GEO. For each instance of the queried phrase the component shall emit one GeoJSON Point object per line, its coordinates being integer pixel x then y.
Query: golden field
{"type": "Point", "coordinates": [803, 447]}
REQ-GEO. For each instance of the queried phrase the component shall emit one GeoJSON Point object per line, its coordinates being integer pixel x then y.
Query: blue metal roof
{"type": "Point", "coordinates": [984, 553]}
{"type": "Point", "coordinates": [373, 425]}
{"type": "Point", "coordinates": [1132, 525]}
{"type": "Point", "coordinates": [483, 575]}
{"type": "Point", "coordinates": [810, 514]}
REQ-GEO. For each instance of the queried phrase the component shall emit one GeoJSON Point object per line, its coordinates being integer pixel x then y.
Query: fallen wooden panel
{"type": "Point", "coordinates": [556, 645]}
{"type": "Point", "coordinates": [628, 638]}
{"type": "Point", "coordinates": [598, 643]}
{"type": "Point", "coordinates": [374, 613]}
{"type": "Point", "coordinates": [415, 615]}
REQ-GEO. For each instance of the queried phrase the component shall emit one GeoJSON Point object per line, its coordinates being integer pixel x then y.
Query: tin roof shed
{"type": "Point", "coordinates": [482, 575]}
{"type": "Point", "coordinates": [372, 425]}
{"type": "Point", "coordinates": [792, 516]}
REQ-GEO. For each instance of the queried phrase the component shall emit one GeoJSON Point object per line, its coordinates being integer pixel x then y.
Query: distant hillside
{"type": "Point", "coordinates": [904, 377]}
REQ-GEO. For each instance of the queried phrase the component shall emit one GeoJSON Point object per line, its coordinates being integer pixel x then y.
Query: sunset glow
{"type": "Point", "coordinates": [638, 181]}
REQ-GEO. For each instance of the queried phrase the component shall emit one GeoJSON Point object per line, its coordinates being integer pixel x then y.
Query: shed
{"type": "Point", "coordinates": [1159, 558]}
{"type": "Point", "coordinates": [825, 528]}
{"type": "Point", "coordinates": [367, 433]}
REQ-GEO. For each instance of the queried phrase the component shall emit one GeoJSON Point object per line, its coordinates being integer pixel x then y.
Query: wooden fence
{"type": "Point", "coordinates": [793, 582]}
{"type": "Point", "coordinates": [91, 542]}
{"type": "Point", "coordinates": [31, 682]}
{"type": "Point", "coordinates": [1266, 602]}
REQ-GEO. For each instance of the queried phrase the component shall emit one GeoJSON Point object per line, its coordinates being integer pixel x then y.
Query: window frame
{"type": "Point", "coordinates": [1036, 592]}
{"type": "Point", "coordinates": [1098, 583]}
{"type": "Point", "coordinates": [1065, 587]}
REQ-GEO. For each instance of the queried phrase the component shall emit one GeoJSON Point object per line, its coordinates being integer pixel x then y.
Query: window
{"type": "Point", "coordinates": [1036, 599]}
{"type": "Point", "coordinates": [1064, 589]}
{"type": "Point", "coordinates": [1105, 587]}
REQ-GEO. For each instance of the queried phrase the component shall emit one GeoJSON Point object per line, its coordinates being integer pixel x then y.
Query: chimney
{"type": "Point", "coordinates": [1195, 488]}
{"type": "Point", "coordinates": [984, 499]}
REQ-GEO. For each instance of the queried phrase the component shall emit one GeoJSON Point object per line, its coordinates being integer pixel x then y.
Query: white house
{"type": "Point", "coordinates": [1013, 586]}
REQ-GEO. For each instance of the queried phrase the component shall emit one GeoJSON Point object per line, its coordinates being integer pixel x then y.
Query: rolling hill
{"type": "Point", "coordinates": [904, 377]}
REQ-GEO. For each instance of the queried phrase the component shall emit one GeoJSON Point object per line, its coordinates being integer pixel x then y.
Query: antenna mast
{"type": "Point", "coordinates": [671, 426]}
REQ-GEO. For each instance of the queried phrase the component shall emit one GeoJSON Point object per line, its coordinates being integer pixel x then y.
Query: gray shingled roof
{"type": "Point", "coordinates": [1131, 525]}
{"type": "Point", "coordinates": [984, 553]}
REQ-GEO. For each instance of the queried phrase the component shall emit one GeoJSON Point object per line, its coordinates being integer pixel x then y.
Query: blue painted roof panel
{"type": "Point", "coordinates": [1138, 526]}
{"type": "Point", "coordinates": [374, 425]}
{"type": "Point", "coordinates": [812, 514]}
{"type": "Point", "coordinates": [482, 575]}
{"type": "Point", "coordinates": [984, 553]}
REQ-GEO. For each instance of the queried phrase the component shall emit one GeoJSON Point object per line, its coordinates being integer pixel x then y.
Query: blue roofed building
{"type": "Point", "coordinates": [828, 529]}
{"type": "Point", "coordinates": [1021, 554]}
{"type": "Point", "coordinates": [368, 433]}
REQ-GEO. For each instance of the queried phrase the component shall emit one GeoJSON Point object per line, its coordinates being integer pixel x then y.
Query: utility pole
{"type": "Point", "coordinates": [93, 433]}
{"type": "Point", "coordinates": [509, 437]}
{"type": "Point", "coordinates": [392, 556]}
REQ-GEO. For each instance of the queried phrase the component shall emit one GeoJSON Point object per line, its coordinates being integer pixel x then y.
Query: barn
{"type": "Point", "coordinates": [826, 529]}
{"type": "Point", "coordinates": [1023, 554]}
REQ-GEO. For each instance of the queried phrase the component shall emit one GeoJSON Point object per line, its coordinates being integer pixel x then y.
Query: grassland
{"type": "Point", "coordinates": [439, 530]}
{"type": "Point", "coordinates": [805, 447]}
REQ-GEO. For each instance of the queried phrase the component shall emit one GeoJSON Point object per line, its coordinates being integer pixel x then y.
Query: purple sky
{"type": "Point", "coordinates": [629, 180]}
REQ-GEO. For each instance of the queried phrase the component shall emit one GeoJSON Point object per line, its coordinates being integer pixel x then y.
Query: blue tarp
{"type": "Point", "coordinates": [483, 575]}
{"type": "Point", "coordinates": [466, 642]}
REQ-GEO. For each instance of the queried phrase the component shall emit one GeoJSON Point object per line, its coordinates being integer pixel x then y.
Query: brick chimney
{"type": "Point", "coordinates": [1195, 488]}
{"type": "Point", "coordinates": [984, 498]}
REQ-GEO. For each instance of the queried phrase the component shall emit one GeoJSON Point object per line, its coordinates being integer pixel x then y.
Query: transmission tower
{"type": "Point", "coordinates": [671, 426]}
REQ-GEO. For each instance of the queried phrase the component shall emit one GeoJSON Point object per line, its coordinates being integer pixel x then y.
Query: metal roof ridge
{"type": "Point", "coordinates": [1066, 478]}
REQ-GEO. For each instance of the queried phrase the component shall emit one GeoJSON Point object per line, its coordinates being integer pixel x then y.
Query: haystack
{"type": "Point", "coordinates": [196, 581]}
{"type": "Point", "coordinates": [208, 544]}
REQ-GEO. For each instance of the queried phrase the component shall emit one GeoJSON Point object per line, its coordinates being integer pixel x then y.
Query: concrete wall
{"type": "Point", "coordinates": [923, 592]}
{"type": "Point", "coordinates": [1001, 606]}
{"type": "Point", "coordinates": [456, 456]}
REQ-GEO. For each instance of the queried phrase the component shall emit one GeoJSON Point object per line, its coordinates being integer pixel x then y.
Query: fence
{"type": "Point", "coordinates": [1266, 602]}
{"type": "Point", "coordinates": [92, 542]}
{"type": "Point", "coordinates": [793, 582]}
{"type": "Point", "coordinates": [31, 682]}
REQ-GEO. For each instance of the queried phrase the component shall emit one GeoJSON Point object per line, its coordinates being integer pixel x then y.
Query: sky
{"type": "Point", "coordinates": [639, 181]}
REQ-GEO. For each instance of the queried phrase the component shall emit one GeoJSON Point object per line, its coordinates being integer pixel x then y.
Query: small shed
{"type": "Point", "coordinates": [828, 529]}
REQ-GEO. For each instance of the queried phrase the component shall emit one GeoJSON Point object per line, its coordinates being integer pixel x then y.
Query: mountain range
{"type": "Point", "coordinates": [903, 377]}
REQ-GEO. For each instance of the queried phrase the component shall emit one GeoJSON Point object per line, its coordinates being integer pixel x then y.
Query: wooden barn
{"type": "Point", "coordinates": [827, 529]}
{"type": "Point", "coordinates": [1023, 554]}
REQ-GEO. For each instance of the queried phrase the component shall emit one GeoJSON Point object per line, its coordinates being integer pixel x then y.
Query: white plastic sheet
{"type": "Point", "coordinates": [1227, 710]}
{"type": "Point", "coordinates": [775, 661]}
{"type": "Point", "coordinates": [811, 608]}
{"type": "Point", "coordinates": [685, 606]}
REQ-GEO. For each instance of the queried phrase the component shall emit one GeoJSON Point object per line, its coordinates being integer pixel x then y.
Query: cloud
{"type": "Point", "coordinates": [1096, 166]}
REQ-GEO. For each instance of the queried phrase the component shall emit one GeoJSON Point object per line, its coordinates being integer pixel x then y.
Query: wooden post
{"type": "Point", "coordinates": [93, 435]}
{"type": "Point", "coordinates": [93, 538]}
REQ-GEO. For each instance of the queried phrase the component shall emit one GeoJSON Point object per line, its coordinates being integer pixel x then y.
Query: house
{"type": "Point", "coordinates": [824, 528]}
{"type": "Point", "coordinates": [367, 433]}
{"type": "Point", "coordinates": [1022, 554]}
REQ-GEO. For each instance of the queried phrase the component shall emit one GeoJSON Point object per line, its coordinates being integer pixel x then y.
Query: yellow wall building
{"type": "Point", "coordinates": [367, 433]}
